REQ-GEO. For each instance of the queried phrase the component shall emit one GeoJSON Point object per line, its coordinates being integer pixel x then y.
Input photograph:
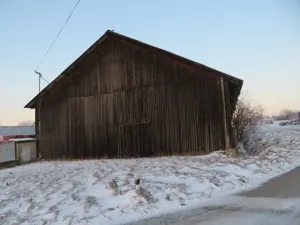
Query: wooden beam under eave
{"type": "Point", "coordinates": [226, 135]}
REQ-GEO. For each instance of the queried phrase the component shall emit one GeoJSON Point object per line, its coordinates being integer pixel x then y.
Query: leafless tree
{"type": "Point", "coordinates": [245, 117]}
{"type": "Point", "coordinates": [26, 123]}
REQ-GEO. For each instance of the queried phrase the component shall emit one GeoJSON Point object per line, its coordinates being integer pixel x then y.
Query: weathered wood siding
{"type": "Point", "coordinates": [125, 100]}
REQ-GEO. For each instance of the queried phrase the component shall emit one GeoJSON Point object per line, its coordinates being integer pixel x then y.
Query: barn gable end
{"type": "Point", "coordinates": [124, 99]}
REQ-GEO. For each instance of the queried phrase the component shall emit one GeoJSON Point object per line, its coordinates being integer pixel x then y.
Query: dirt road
{"type": "Point", "coordinates": [276, 202]}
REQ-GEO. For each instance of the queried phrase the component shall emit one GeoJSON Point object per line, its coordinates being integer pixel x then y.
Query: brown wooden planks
{"type": "Point", "coordinates": [129, 101]}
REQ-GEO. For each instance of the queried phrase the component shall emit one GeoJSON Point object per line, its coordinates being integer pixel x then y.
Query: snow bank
{"type": "Point", "coordinates": [80, 192]}
{"type": "Point", "coordinates": [272, 135]}
{"type": "Point", "coordinates": [290, 125]}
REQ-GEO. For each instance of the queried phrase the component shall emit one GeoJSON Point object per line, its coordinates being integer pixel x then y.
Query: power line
{"type": "Point", "coordinates": [57, 36]}
{"type": "Point", "coordinates": [45, 79]}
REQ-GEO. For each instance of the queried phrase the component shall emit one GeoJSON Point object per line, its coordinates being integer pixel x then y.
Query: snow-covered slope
{"type": "Point", "coordinates": [77, 192]}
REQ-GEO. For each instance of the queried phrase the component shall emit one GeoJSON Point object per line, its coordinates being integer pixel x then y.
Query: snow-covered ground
{"type": "Point", "coordinates": [78, 192]}
{"type": "Point", "coordinates": [276, 126]}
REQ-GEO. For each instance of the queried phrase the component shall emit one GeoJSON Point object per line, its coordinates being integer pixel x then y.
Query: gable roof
{"type": "Point", "coordinates": [108, 34]}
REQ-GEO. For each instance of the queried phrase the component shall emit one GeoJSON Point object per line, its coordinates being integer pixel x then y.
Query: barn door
{"type": "Point", "coordinates": [135, 140]}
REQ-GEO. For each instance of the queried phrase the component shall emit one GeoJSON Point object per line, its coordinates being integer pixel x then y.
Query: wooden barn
{"type": "Point", "coordinates": [124, 98]}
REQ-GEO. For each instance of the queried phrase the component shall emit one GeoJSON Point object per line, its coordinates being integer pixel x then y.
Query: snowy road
{"type": "Point", "coordinates": [275, 202]}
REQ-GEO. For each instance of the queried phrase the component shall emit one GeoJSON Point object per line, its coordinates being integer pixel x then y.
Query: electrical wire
{"type": "Point", "coordinates": [45, 80]}
{"type": "Point", "coordinates": [57, 36]}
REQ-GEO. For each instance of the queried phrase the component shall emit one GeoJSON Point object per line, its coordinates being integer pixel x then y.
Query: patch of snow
{"type": "Point", "coordinates": [272, 136]}
{"type": "Point", "coordinates": [82, 191]}
{"type": "Point", "coordinates": [276, 126]}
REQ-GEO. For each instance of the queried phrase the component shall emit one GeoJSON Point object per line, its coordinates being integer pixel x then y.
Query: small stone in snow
{"type": "Point", "coordinates": [242, 180]}
{"type": "Point", "coordinates": [168, 197]}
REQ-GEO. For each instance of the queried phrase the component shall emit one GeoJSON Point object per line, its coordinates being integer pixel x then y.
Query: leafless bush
{"type": "Point", "coordinates": [245, 117]}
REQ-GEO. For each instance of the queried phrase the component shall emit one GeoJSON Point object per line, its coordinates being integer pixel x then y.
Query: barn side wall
{"type": "Point", "coordinates": [76, 116]}
{"type": "Point", "coordinates": [125, 100]}
{"type": "Point", "coordinates": [181, 104]}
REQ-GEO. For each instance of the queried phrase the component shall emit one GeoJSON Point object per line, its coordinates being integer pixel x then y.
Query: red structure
{"type": "Point", "coordinates": [6, 138]}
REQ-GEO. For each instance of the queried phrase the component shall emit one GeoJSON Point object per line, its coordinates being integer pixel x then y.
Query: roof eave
{"type": "Point", "coordinates": [31, 104]}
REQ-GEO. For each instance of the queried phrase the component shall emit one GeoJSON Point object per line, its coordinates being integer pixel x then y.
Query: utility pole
{"type": "Point", "coordinates": [40, 76]}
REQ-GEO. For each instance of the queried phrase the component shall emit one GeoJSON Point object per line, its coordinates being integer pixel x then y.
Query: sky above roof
{"type": "Point", "coordinates": [257, 41]}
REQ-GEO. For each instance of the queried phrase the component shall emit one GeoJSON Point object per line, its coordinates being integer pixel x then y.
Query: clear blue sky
{"type": "Point", "coordinates": [257, 40]}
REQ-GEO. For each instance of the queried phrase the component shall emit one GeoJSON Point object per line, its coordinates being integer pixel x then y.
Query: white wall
{"type": "Point", "coordinates": [7, 152]}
